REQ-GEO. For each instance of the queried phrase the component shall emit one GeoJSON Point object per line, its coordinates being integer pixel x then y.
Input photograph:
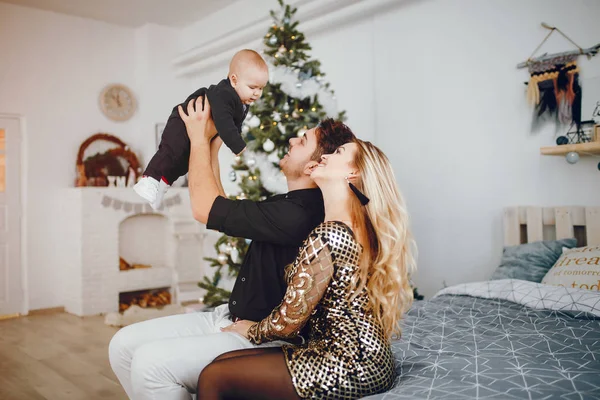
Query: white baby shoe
{"type": "Point", "coordinates": [160, 194]}
{"type": "Point", "coordinates": [152, 191]}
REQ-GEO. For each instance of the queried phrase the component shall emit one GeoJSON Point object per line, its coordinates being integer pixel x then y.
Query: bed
{"type": "Point", "coordinates": [506, 339]}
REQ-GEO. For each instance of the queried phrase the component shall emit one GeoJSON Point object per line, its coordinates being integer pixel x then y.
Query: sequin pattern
{"type": "Point", "coordinates": [346, 355]}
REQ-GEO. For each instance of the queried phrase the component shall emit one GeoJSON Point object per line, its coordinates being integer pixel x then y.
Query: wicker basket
{"type": "Point", "coordinates": [122, 151]}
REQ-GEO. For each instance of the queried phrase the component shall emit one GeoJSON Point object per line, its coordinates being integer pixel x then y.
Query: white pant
{"type": "Point", "coordinates": [163, 357]}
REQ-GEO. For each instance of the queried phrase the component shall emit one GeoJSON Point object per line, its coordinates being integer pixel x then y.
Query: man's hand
{"type": "Point", "coordinates": [240, 327]}
{"type": "Point", "coordinates": [199, 124]}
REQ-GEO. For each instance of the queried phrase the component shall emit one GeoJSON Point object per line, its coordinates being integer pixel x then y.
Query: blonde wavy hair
{"type": "Point", "coordinates": [389, 250]}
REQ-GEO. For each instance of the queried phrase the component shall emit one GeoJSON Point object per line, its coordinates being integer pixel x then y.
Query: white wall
{"type": "Point", "coordinates": [52, 69]}
{"type": "Point", "coordinates": [434, 84]}
{"type": "Point", "coordinates": [451, 114]}
{"type": "Point", "coordinates": [158, 88]}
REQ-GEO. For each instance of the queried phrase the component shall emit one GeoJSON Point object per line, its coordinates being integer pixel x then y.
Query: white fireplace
{"type": "Point", "coordinates": [107, 224]}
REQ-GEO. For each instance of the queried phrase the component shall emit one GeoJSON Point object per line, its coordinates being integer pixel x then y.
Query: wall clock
{"type": "Point", "coordinates": [117, 102]}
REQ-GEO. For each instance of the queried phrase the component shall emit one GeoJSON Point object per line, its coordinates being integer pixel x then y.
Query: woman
{"type": "Point", "coordinates": [349, 285]}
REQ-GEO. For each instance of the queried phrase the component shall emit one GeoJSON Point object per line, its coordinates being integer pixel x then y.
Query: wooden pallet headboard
{"type": "Point", "coordinates": [526, 224]}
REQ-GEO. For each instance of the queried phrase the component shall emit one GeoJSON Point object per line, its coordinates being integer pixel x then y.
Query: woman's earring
{"type": "Point", "coordinates": [364, 200]}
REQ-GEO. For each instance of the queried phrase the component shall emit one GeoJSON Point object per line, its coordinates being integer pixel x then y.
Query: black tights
{"type": "Point", "coordinates": [247, 374]}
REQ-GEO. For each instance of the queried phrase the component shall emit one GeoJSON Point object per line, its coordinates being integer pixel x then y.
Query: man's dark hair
{"type": "Point", "coordinates": [331, 134]}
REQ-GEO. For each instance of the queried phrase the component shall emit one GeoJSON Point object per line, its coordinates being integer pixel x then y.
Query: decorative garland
{"type": "Point", "coordinates": [138, 208]}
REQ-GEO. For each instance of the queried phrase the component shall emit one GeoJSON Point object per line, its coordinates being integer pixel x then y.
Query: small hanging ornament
{"type": "Point", "coordinates": [242, 196]}
{"type": "Point", "coordinates": [301, 132]}
{"type": "Point", "coordinates": [295, 114]}
{"type": "Point", "coordinates": [572, 157]}
{"type": "Point", "coordinates": [286, 20]}
{"type": "Point", "coordinates": [273, 39]}
{"type": "Point", "coordinates": [222, 258]}
{"type": "Point", "coordinates": [268, 145]}
{"type": "Point", "coordinates": [562, 140]}
{"type": "Point", "coordinates": [232, 176]}
{"type": "Point", "coordinates": [282, 49]}
{"type": "Point", "coordinates": [276, 116]}
{"type": "Point", "coordinates": [251, 162]}
{"type": "Point", "coordinates": [227, 248]}
{"type": "Point", "coordinates": [286, 107]}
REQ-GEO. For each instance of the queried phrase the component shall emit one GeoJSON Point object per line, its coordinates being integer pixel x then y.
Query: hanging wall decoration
{"type": "Point", "coordinates": [119, 162]}
{"type": "Point", "coordinates": [553, 88]}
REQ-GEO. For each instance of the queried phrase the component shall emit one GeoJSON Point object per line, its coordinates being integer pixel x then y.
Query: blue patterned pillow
{"type": "Point", "coordinates": [531, 261]}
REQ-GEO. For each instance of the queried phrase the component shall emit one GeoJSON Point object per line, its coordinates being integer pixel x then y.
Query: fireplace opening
{"type": "Point", "coordinates": [153, 298]}
{"type": "Point", "coordinates": [142, 242]}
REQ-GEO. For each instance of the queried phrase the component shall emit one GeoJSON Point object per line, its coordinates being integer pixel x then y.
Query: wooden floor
{"type": "Point", "coordinates": [56, 356]}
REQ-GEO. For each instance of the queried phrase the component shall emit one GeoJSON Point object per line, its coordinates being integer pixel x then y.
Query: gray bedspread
{"type": "Point", "coordinates": [505, 339]}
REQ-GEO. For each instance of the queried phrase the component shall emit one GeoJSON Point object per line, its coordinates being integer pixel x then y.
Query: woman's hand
{"type": "Point", "coordinates": [240, 327]}
{"type": "Point", "coordinates": [198, 123]}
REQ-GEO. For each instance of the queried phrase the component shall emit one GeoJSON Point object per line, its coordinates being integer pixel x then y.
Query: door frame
{"type": "Point", "coordinates": [23, 172]}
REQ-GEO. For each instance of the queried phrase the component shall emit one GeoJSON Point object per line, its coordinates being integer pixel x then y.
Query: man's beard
{"type": "Point", "coordinates": [289, 172]}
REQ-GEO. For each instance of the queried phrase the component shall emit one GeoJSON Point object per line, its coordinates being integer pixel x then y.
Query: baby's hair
{"type": "Point", "coordinates": [244, 59]}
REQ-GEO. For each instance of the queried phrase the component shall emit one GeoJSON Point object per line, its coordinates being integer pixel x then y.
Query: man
{"type": "Point", "coordinates": [162, 358]}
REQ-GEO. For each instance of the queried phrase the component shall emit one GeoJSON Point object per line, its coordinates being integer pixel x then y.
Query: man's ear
{"type": "Point", "coordinates": [309, 167]}
{"type": "Point", "coordinates": [233, 79]}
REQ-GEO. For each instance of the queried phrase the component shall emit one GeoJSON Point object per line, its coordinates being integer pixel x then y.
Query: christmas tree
{"type": "Point", "coordinates": [296, 98]}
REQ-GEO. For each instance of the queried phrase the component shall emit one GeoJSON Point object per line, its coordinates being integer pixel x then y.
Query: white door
{"type": "Point", "coordinates": [11, 282]}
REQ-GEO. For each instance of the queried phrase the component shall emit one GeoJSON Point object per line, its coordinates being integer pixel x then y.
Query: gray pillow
{"type": "Point", "coordinates": [531, 261]}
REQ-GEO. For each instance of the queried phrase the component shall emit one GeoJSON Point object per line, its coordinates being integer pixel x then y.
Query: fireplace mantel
{"type": "Point", "coordinates": [93, 280]}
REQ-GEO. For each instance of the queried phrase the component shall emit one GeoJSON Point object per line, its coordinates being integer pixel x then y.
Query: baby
{"type": "Point", "coordinates": [229, 101]}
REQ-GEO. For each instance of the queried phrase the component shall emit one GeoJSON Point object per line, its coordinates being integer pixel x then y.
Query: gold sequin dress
{"type": "Point", "coordinates": [346, 355]}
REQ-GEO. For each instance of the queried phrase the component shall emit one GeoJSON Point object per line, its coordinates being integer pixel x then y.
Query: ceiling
{"type": "Point", "coordinates": [132, 13]}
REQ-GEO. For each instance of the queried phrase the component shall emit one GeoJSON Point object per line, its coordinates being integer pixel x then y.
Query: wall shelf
{"type": "Point", "coordinates": [582, 148]}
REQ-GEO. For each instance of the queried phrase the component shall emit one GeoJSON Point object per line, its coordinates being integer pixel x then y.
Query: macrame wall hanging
{"type": "Point", "coordinates": [553, 88]}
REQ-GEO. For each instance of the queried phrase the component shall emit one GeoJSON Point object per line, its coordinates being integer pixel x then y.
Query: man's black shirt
{"type": "Point", "coordinates": [277, 228]}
